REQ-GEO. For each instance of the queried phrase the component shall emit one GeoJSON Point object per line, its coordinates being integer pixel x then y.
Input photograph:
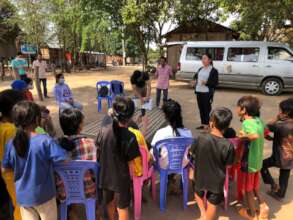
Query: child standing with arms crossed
{"type": "Point", "coordinates": [30, 156]}
{"type": "Point", "coordinates": [118, 148]}
{"type": "Point", "coordinates": [248, 109]}
{"type": "Point", "coordinates": [282, 154]}
{"type": "Point", "coordinates": [211, 154]}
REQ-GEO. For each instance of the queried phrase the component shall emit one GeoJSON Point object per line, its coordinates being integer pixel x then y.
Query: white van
{"type": "Point", "coordinates": [241, 64]}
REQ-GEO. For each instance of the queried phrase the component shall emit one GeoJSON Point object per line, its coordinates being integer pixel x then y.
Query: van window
{"type": "Point", "coordinates": [195, 53]}
{"type": "Point", "coordinates": [243, 54]}
{"type": "Point", "coordinates": [279, 53]}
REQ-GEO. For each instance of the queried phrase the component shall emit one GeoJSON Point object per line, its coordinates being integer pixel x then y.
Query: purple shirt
{"type": "Point", "coordinates": [163, 74]}
{"type": "Point", "coordinates": [62, 93]}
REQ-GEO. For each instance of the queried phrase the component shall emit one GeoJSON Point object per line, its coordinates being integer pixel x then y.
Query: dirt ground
{"type": "Point", "coordinates": [83, 87]}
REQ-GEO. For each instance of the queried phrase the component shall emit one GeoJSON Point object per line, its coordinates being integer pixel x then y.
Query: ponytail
{"type": "Point", "coordinates": [116, 130]}
{"type": "Point", "coordinates": [67, 143]}
{"type": "Point", "coordinates": [26, 116]}
{"type": "Point", "coordinates": [21, 142]}
{"type": "Point", "coordinates": [123, 110]}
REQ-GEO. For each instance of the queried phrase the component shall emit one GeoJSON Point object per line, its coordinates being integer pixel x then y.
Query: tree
{"type": "Point", "coordinates": [33, 20]}
{"type": "Point", "coordinates": [8, 21]}
{"type": "Point", "coordinates": [260, 19]}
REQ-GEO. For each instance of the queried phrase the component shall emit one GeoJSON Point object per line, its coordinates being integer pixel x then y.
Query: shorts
{"type": "Point", "coordinates": [250, 181]}
{"type": "Point", "coordinates": [122, 200]}
{"type": "Point", "coordinates": [213, 198]}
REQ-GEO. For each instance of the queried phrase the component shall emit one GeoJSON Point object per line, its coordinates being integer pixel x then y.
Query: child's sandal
{"type": "Point", "coordinates": [264, 211]}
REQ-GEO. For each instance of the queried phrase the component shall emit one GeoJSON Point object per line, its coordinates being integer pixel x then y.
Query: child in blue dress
{"type": "Point", "coordinates": [31, 156]}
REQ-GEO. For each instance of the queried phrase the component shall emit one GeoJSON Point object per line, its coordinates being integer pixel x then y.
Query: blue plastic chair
{"type": "Point", "coordinates": [117, 88]}
{"type": "Point", "coordinates": [72, 175]}
{"type": "Point", "coordinates": [176, 148]}
{"type": "Point", "coordinates": [108, 97]}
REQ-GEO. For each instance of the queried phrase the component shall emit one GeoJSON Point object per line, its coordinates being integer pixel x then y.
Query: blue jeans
{"type": "Point", "coordinates": [66, 105]}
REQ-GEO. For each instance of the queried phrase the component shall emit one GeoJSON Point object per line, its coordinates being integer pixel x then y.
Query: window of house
{"type": "Point", "coordinates": [243, 54]}
{"type": "Point", "coordinates": [279, 53]}
{"type": "Point", "coordinates": [195, 53]}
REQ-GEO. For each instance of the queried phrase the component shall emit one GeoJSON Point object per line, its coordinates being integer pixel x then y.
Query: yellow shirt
{"type": "Point", "coordinates": [7, 131]}
{"type": "Point", "coordinates": [137, 162]}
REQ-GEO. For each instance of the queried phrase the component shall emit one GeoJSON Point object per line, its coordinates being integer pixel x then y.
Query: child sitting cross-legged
{"type": "Point", "coordinates": [31, 157]}
{"type": "Point", "coordinates": [78, 147]}
{"type": "Point", "coordinates": [211, 154]}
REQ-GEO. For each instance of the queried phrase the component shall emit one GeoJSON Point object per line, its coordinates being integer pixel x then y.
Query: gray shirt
{"type": "Point", "coordinates": [203, 75]}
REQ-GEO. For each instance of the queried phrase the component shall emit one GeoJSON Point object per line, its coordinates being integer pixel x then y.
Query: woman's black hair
{"type": "Point", "coordinates": [251, 105]}
{"type": "Point", "coordinates": [58, 76]}
{"type": "Point", "coordinates": [70, 120]}
{"type": "Point", "coordinates": [209, 56]}
{"type": "Point", "coordinates": [172, 111]}
{"type": "Point", "coordinates": [138, 79]}
{"type": "Point", "coordinates": [25, 115]}
{"type": "Point", "coordinates": [221, 117]}
{"type": "Point", "coordinates": [286, 107]}
{"type": "Point", "coordinates": [8, 98]}
{"type": "Point", "coordinates": [123, 110]}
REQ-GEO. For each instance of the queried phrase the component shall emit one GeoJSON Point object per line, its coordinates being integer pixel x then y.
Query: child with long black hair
{"type": "Point", "coordinates": [78, 147]}
{"type": "Point", "coordinates": [175, 128]}
{"type": "Point", "coordinates": [118, 148]}
{"type": "Point", "coordinates": [30, 156]}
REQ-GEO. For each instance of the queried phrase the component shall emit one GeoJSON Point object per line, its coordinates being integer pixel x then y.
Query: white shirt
{"type": "Point", "coordinates": [167, 132]}
{"type": "Point", "coordinates": [203, 75]}
{"type": "Point", "coordinates": [42, 68]}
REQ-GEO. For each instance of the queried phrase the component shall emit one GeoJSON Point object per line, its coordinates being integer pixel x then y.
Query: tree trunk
{"type": "Point", "coordinates": [38, 86]}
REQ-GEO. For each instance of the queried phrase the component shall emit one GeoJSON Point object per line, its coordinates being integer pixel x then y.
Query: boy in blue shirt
{"type": "Point", "coordinates": [31, 156]}
{"type": "Point", "coordinates": [19, 66]}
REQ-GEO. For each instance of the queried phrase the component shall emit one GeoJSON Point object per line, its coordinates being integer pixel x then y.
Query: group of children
{"type": "Point", "coordinates": [27, 155]}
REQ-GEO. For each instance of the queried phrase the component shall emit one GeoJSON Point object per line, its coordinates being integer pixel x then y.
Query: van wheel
{"type": "Point", "coordinates": [272, 86]}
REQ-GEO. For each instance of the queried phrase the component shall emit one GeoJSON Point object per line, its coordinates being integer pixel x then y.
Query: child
{"type": "Point", "coordinates": [118, 148]}
{"type": "Point", "coordinates": [79, 148]}
{"type": "Point", "coordinates": [31, 157]}
{"type": "Point", "coordinates": [211, 154]}
{"type": "Point", "coordinates": [175, 128]}
{"type": "Point", "coordinates": [8, 98]}
{"type": "Point", "coordinates": [63, 94]}
{"type": "Point", "coordinates": [282, 155]}
{"type": "Point", "coordinates": [30, 86]}
{"type": "Point", "coordinates": [248, 109]}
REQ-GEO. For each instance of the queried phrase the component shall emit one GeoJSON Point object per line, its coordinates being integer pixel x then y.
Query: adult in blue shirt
{"type": "Point", "coordinates": [63, 95]}
{"type": "Point", "coordinates": [19, 67]}
{"type": "Point", "coordinates": [31, 157]}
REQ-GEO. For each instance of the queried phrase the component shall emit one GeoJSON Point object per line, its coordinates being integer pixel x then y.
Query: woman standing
{"type": "Point", "coordinates": [206, 80]}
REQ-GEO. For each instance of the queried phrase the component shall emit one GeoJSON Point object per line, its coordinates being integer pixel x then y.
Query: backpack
{"type": "Point", "coordinates": [103, 91]}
